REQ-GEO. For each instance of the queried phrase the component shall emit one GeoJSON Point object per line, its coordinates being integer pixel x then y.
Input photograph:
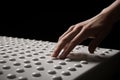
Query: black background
{"type": "Point", "coordinates": [49, 25]}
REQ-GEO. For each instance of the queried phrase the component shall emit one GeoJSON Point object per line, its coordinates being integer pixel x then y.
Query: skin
{"type": "Point", "coordinates": [97, 28]}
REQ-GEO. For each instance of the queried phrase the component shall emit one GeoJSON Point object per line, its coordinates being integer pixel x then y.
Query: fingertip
{"type": "Point", "coordinates": [61, 56]}
{"type": "Point", "coordinates": [92, 46]}
{"type": "Point", "coordinates": [53, 55]}
{"type": "Point", "coordinates": [91, 50]}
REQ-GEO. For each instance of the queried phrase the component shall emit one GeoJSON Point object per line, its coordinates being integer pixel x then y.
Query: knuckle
{"type": "Point", "coordinates": [63, 40]}
{"type": "Point", "coordinates": [86, 28]}
{"type": "Point", "coordinates": [77, 27]}
{"type": "Point", "coordinates": [71, 27]}
{"type": "Point", "coordinates": [73, 42]}
{"type": "Point", "coordinates": [59, 37]}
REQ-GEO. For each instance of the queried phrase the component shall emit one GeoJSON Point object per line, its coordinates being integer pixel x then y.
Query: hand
{"type": "Point", "coordinates": [97, 28]}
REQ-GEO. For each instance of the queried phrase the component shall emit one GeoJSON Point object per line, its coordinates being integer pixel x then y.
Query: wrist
{"type": "Point", "coordinates": [112, 12]}
{"type": "Point", "coordinates": [107, 16]}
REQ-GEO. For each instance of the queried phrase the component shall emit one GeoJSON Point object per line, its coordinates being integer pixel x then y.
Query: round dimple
{"type": "Point", "coordinates": [12, 59]}
{"type": "Point", "coordinates": [49, 61]}
{"type": "Point", "coordinates": [22, 48]}
{"type": "Point", "coordinates": [27, 51]}
{"type": "Point", "coordinates": [71, 68]}
{"type": "Point", "coordinates": [3, 50]}
{"type": "Point", "coordinates": [56, 78]}
{"type": "Point", "coordinates": [82, 46]}
{"type": "Point", "coordinates": [51, 72]}
{"type": "Point", "coordinates": [51, 51]}
{"type": "Point", "coordinates": [35, 54]}
{"type": "Point", "coordinates": [26, 61]}
{"type": "Point", "coordinates": [22, 57]}
{"type": "Point", "coordinates": [35, 59]}
{"type": "Point", "coordinates": [48, 54]}
{"type": "Point", "coordinates": [10, 49]}
{"type": "Point", "coordinates": [5, 56]}
{"type": "Point", "coordinates": [2, 53]}
{"type": "Point", "coordinates": [22, 78]}
{"type": "Point", "coordinates": [102, 54]}
{"type": "Point", "coordinates": [37, 47]}
{"type": "Point", "coordinates": [14, 55]}
{"type": "Point", "coordinates": [1, 47]}
{"type": "Point", "coordinates": [33, 49]}
{"type": "Point", "coordinates": [20, 70]}
{"type": "Point", "coordinates": [78, 65]}
{"type": "Point", "coordinates": [17, 47]}
{"type": "Point", "coordinates": [44, 49]}
{"type": "Point", "coordinates": [13, 44]}
{"type": "Point", "coordinates": [21, 53]}
{"type": "Point", "coordinates": [37, 63]}
{"type": "Point", "coordinates": [29, 55]}
{"type": "Point", "coordinates": [1, 72]}
{"type": "Point", "coordinates": [9, 52]}
{"type": "Point", "coordinates": [78, 48]}
{"type": "Point", "coordinates": [65, 73]}
{"type": "Point", "coordinates": [97, 48]}
{"type": "Point", "coordinates": [16, 64]}
{"type": "Point", "coordinates": [41, 52]}
{"type": "Point", "coordinates": [68, 60]}
{"type": "Point", "coordinates": [27, 66]}
{"type": "Point", "coordinates": [107, 52]}
{"type": "Point", "coordinates": [62, 63]}
{"type": "Point", "coordinates": [57, 67]}
{"type": "Point", "coordinates": [40, 68]}
{"type": "Point", "coordinates": [83, 62]}
{"type": "Point", "coordinates": [2, 61]}
{"type": "Point", "coordinates": [6, 67]}
{"type": "Point", "coordinates": [36, 74]}
{"type": "Point", "coordinates": [110, 50]}
{"type": "Point", "coordinates": [42, 57]}
{"type": "Point", "coordinates": [16, 50]}
{"type": "Point", "coordinates": [11, 76]}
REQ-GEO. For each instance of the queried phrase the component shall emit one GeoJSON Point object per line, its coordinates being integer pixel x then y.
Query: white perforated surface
{"type": "Point", "coordinates": [25, 59]}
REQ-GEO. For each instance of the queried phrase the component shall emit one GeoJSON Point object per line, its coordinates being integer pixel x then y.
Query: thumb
{"type": "Point", "coordinates": [95, 42]}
